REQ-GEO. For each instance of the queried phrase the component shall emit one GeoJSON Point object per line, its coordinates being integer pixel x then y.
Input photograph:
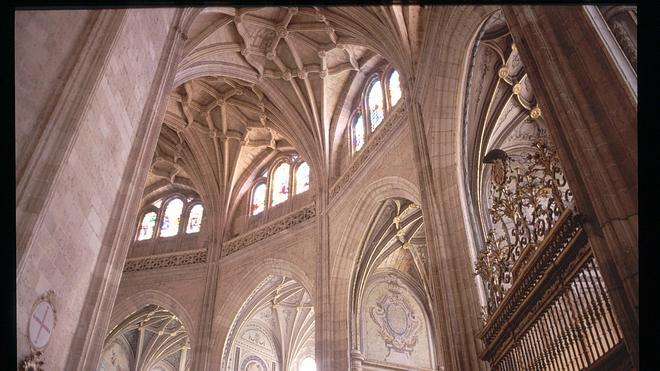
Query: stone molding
{"type": "Point", "coordinates": [268, 230]}
{"type": "Point", "coordinates": [374, 146]}
{"type": "Point", "coordinates": [166, 260]}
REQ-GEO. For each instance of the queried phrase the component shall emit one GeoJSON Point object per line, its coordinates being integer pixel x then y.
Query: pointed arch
{"type": "Point", "coordinates": [228, 310]}
{"type": "Point", "coordinates": [133, 303]}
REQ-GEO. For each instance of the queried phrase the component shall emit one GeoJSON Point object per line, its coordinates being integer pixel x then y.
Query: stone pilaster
{"type": "Point", "coordinates": [591, 113]}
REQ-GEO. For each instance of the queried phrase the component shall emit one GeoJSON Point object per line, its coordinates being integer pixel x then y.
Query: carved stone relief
{"type": "Point", "coordinates": [395, 329]}
{"type": "Point", "coordinates": [165, 260]}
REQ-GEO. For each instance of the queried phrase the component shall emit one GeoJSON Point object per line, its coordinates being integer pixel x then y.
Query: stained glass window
{"type": "Point", "coordinates": [281, 184]}
{"type": "Point", "coordinates": [169, 226]}
{"type": "Point", "coordinates": [375, 104]}
{"type": "Point", "coordinates": [259, 199]}
{"type": "Point", "coordinates": [147, 226]}
{"type": "Point", "coordinates": [195, 219]}
{"type": "Point", "coordinates": [302, 178]}
{"type": "Point", "coordinates": [358, 132]}
{"type": "Point", "coordinates": [395, 88]}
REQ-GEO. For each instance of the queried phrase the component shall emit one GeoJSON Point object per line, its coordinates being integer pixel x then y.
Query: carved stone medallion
{"type": "Point", "coordinates": [42, 321]}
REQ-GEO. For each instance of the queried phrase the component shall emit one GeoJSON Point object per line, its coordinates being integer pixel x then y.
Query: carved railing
{"type": "Point", "coordinates": [165, 260]}
{"type": "Point", "coordinates": [547, 307]}
{"type": "Point", "coordinates": [268, 230]}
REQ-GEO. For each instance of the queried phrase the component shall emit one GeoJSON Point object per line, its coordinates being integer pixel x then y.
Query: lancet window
{"type": "Point", "coordinates": [147, 226]}
{"type": "Point", "coordinates": [302, 178]}
{"type": "Point", "coordinates": [358, 132]}
{"type": "Point", "coordinates": [286, 176]}
{"type": "Point", "coordinates": [195, 219]}
{"type": "Point", "coordinates": [171, 214]}
{"type": "Point", "coordinates": [280, 188]}
{"type": "Point", "coordinates": [375, 104]}
{"type": "Point", "coordinates": [259, 199]}
{"type": "Point", "coordinates": [169, 225]}
{"type": "Point", "coordinates": [379, 96]}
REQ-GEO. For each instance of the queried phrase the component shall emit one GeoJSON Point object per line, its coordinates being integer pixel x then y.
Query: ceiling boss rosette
{"type": "Point", "coordinates": [397, 322]}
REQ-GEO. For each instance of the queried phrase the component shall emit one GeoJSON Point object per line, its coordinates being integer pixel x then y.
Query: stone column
{"type": "Point", "coordinates": [591, 113]}
{"type": "Point", "coordinates": [323, 323]}
{"type": "Point", "coordinates": [183, 358]}
{"type": "Point", "coordinates": [356, 360]}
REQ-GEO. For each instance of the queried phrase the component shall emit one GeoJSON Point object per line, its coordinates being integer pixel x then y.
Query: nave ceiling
{"type": "Point", "coordinates": [255, 83]}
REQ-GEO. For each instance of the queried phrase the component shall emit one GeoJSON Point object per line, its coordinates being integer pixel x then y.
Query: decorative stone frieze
{"type": "Point", "coordinates": [369, 149]}
{"type": "Point", "coordinates": [166, 260]}
{"type": "Point", "coordinates": [269, 229]}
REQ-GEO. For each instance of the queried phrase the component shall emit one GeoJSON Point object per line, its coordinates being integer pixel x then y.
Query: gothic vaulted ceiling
{"type": "Point", "coordinates": [256, 82]}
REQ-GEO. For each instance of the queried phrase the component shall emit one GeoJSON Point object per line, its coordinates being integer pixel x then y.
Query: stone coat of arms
{"type": "Point", "coordinates": [397, 322]}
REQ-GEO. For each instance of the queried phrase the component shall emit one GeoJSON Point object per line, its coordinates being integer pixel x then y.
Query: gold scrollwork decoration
{"type": "Point", "coordinates": [527, 195]}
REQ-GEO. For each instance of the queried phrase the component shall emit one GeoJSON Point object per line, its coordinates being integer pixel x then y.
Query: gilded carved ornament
{"type": "Point", "coordinates": [527, 195]}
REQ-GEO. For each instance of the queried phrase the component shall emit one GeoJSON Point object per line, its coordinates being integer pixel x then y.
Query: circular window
{"type": "Point", "coordinates": [308, 364]}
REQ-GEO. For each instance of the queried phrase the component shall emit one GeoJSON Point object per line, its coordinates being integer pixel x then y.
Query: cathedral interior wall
{"type": "Point", "coordinates": [68, 240]}
{"type": "Point", "coordinates": [47, 45]}
{"type": "Point", "coordinates": [73, 217]}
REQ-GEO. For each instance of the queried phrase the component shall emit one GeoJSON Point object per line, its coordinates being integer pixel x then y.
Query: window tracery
{"type": "Point", "coordinates": [175, 210]}
{"type": "Point", "coordinates": [378, 97]}
{"type": "Point", "coordinates": [288, 175]}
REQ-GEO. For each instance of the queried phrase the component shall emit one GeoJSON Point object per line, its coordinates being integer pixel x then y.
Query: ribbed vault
{"type": "Point", "coordinates": [280, 311]}
{"type": "Point", "coordinates": [254, 82]}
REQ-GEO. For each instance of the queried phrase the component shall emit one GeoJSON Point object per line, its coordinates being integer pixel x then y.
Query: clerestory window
{"type": "Point", "coordinates": [175, 211]}
{"type": "Point", "coordinates": [379, 96]}
{"type": "Point", "coordinates": [286, 176]}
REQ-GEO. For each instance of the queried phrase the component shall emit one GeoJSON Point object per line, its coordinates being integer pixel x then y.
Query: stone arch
{"type": "Point", "coordinates": [227, 311]}
{"type": "Point", "coordinates": [286, 120]}
{"type": "Point", "coordinates": [345, 258]}
{"type": "Point", "coordinates": [139, 300]}
{"type": "Point", "coordinates": [365, 207]}
{"type": "Point", "coordinates": [446, 56]}
{"type": "Point", "coordinates": [417, 296]}
{"type": "Point", "coordinates": [365, 276]}
{"type": "Point", "coordinates": [459, 156]}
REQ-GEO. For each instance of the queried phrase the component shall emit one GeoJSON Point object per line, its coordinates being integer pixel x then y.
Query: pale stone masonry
{"type": "Point", "coordinates": [119, 111]}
